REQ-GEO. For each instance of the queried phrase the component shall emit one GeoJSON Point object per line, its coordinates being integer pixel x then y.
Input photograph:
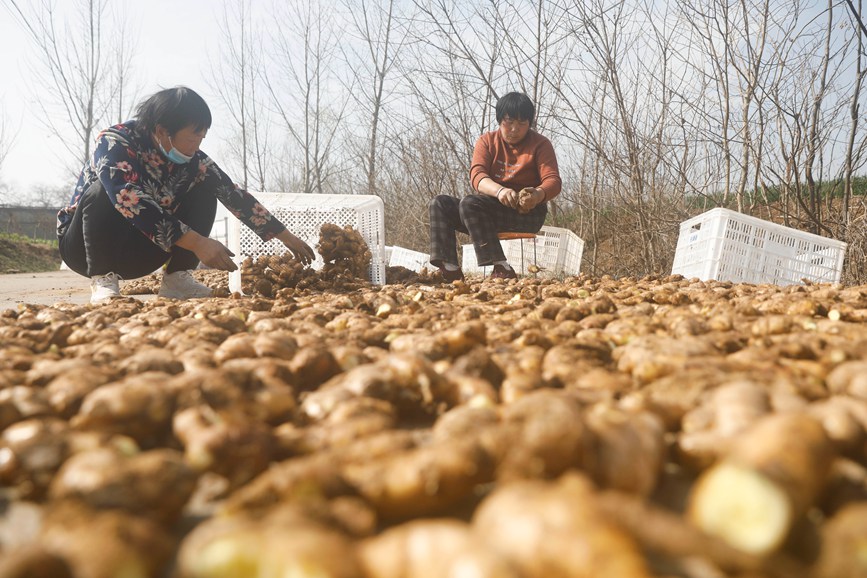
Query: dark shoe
{"type": "Point", "coordinates": [449, 276]}
{"type": "Point", "coordinates": [501, 272]}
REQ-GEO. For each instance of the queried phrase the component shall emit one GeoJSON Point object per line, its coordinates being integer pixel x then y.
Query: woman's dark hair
{"type": "Point", "coordinates": [517, 106]}
{"type": "Point", "coordinates": [174, 109]}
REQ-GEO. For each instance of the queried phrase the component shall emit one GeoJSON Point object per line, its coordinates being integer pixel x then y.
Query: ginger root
{"type": "Point", "coordinates": [770, 477]}
{"type": "Point", "coordinates": [430, 549]}
{"type": "Point", "coordinates": [525, 200]}
{"type": "Point", "coordinates": [554, 529]}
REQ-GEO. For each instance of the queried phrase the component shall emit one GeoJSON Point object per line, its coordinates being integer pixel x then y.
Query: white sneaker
{"type": "Point", "coordinates": [104, 287]}
{"type": "Point", "coordinates": [181, 285]}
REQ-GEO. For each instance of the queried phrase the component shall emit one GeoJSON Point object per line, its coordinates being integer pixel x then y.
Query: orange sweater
{"type": "Point", "coordinates": [530, 163]}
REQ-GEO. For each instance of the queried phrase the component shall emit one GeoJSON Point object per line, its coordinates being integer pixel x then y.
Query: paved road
{"type": "Point", "coordinates": [62, 286]}
{"type": "Point", "coordinates": [47, 289]}
{"type": "Point", "coordinates": [43, 288]}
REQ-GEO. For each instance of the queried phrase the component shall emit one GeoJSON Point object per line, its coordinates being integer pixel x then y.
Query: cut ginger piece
{"type": "Point", "coordinates": [771, 476]}
{"type": "Point", "coordinates": [743, 507]}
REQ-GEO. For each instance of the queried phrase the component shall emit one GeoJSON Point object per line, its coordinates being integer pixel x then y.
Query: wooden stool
{"type": "Point", "coordinates": [510, 236]}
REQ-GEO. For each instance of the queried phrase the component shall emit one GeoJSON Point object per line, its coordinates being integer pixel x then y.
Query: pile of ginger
{"type": "Point", "coordinates": [344, 252]}
{"type": "Point", "coordinates": [586, 427]}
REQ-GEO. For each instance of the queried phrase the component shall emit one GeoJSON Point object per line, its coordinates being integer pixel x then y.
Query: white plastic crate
{"type": "Point", "coordinates": [304, 215]}
{"type": "Point", "coordinates": [412, 260]}
{"type": "Point", "coordinates": [729, 246]}
{"type": "Point", "coordinates": [558, 251]}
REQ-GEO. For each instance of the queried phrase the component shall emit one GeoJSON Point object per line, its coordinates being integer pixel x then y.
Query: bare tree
{"type": "Point", "coordinates": [630, 133]}
{"type": "Point", "coordinates": [49, 196]}
{"type": "Point", "coordinates": [807, 113]}
{"type": "Point", "coordinates": [711, 22]}
{"type": "Point", "coordinates": [534, 46]}
{"type": "Point", "coordinates": [465, 55]}
{"type": "Point", "coordinates": [6, 140]}
{"type": "Point", "coordinates": [237, 79]}
{"type": "Point", "coordinates": [304, 92]}
{"type": "Point", "coordinates": [372, 62]}
{"type": "Point", "coordinates": [75, 76]}
{"type": "Point", "coordinates": [410, 191]}
{"type": "Point", "coordinates": [746, 54]}
{"type": "Point", "coordinates": [812, 143]}
{"type": "Point", "coordinates": [852, 154]}
{"type": "Point", "coordinates": [451, 71]}
{"type": "Point", "coordinates": [127, 92]}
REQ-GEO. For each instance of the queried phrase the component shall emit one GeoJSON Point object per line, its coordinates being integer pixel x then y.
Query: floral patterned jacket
{"type": "Point", "coordinates": [147, 188]}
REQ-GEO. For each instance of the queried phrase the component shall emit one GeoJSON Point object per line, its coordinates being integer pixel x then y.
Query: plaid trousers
{"type": "Point", "coordinates": [482, 217]}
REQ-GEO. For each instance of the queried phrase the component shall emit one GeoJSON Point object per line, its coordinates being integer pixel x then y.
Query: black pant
{"type": "Point", "coordinates": [100, 240]}
{"type": "Point", "coordinates": [482, 217]}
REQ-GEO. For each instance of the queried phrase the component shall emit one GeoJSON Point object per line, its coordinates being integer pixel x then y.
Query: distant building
{"type": "Point", "coordinates": [33, 222]}
{"type": "Point", "coordinates": [41, 223]}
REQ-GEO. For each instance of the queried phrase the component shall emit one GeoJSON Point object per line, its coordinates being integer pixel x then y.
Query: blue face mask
{"type": "Point", "coordinates": [174, 155]}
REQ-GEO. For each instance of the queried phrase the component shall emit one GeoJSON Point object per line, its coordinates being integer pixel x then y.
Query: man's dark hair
{"type": "Point", "coordinates": [174, 109]}
{"type": "Point", "coordinates": [517, 106]}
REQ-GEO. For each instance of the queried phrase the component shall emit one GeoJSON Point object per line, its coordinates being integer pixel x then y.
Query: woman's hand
{"type": "Point", "coordinates": [209, 251]}
{"type": "Point", "coordinates": [299, 248]}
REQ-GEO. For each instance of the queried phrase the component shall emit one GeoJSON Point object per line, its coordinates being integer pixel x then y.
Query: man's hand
{"type": "Point", "coordinates": [529, 198]}
{"type": "Point", "coordinates": [508, 197]}
{"type": "Point", "coordinates": [299, 248]}
{"type": "Point", "coordinates": [209, 251]}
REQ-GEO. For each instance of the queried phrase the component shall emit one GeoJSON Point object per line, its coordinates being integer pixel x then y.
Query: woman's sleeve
{"type": "Point", "coordinates": [482, 161]}
{"type": "Point", "coordinates": [238, 201]}
{"type": "Point", "coordinates": [121, 174]}
{"type": "Point", "coordinates": [549, 173]}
